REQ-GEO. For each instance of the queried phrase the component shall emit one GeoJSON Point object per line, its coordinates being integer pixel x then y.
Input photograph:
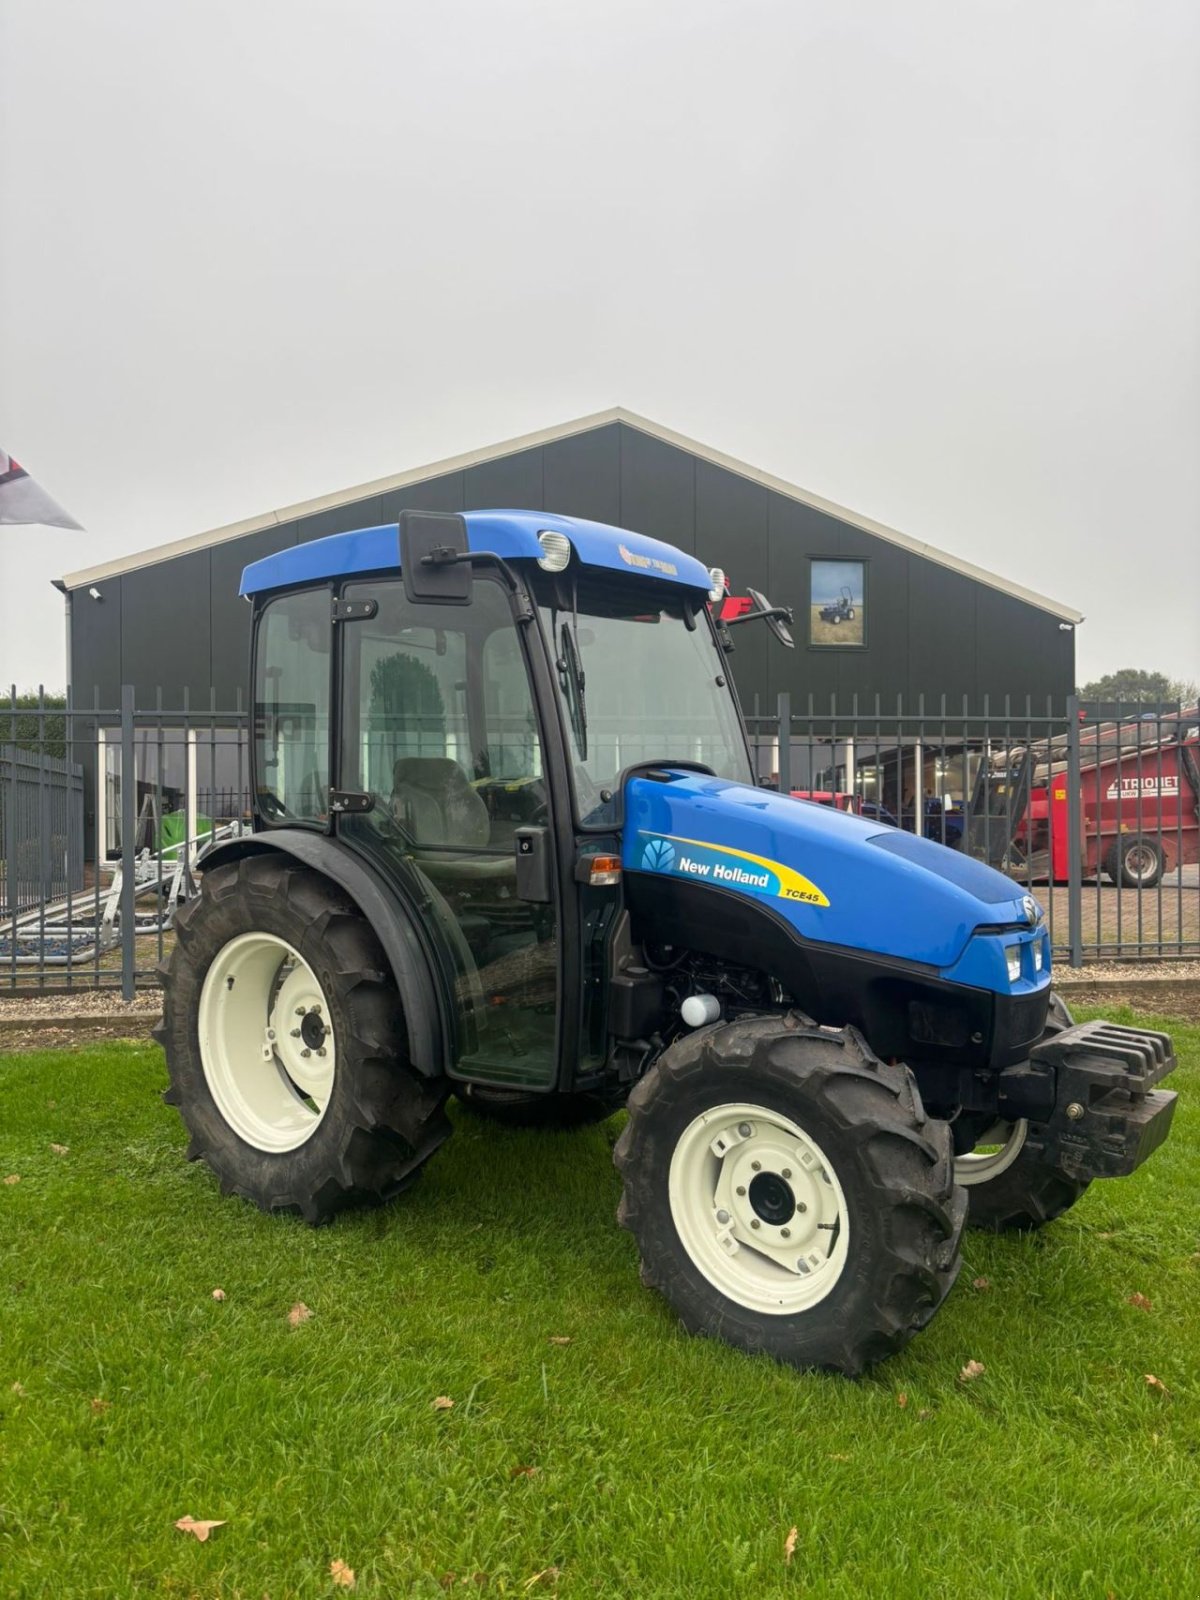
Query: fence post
{"type": "Point", "coordinates": [128, 842]}
{"type": "Point", "coordinates": [1074, 839]}
{"type": "Point", "coordinates": [785, 742]}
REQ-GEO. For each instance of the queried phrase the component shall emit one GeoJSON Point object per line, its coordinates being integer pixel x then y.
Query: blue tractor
{"type": "Point", "coordinates": [508, 846]}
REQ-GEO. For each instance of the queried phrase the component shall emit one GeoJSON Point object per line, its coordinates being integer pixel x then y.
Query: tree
{"type": "Point", "coordinates": [29, 722]}
{"type": "Point", "coordinates": [1136, 686]}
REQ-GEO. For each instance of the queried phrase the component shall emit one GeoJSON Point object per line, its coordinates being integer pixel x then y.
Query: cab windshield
{"type": "Point", "coordinates": [636, 683]}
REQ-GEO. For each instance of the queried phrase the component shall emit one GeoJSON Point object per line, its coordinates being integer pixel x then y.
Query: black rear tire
{"type": "Point", "coordinates": [903, 1213]}
{"type": "Point", "coordinates": [382, 1121]}
{"type": "Point", "coordinates": [1029, 1193]}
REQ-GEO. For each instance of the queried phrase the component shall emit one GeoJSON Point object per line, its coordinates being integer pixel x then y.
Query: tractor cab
{"type": "Point", "coordinates": [459, 702]}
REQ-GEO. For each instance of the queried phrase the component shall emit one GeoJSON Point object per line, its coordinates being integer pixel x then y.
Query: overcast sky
{"type": "Point", "coordinates": [939, 261]}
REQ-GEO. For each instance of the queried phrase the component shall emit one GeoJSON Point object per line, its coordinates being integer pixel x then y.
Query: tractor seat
{"type": "Point", "coordinates": [436, 806]}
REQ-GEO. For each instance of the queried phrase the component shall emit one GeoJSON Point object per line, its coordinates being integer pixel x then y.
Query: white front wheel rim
{"type": "Point", "coordinates": [266, 1042]}
{"type": "Point", "coordinates": [996, 1151]}
{"type": "Point", "coordinates": [759, 1209]}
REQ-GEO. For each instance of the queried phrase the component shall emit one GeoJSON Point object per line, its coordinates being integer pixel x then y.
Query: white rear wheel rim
{"type": "Point", "coordinates": [998, 1148]}
{"type": "Point", "coordinates": [266, 1042]}
{"type": "Point", "coordinates": [779, 1250]}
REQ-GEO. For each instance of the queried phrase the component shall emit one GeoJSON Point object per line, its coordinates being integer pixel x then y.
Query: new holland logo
{"type": "Point", "coordinates": [726, 868]}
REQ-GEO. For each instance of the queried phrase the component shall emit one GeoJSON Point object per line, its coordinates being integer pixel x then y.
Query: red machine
{"type": "Point", "coordinates": [1139, 801]}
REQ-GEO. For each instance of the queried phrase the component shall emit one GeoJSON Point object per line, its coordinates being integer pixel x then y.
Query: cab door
{"type": "Point", "coordinates": [439, 729]}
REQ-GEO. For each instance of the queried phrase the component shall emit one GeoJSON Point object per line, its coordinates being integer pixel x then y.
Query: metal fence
{"type": "Point", "coordinates": [126, 798]}
{"type": "Point", "coordinates": [106, 809]}
{"type": "Point", "coordinates": [41, 828]}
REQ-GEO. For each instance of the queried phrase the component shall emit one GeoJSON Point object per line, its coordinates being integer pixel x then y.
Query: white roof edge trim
{"type": "Point", "coordinates": [565, 430]}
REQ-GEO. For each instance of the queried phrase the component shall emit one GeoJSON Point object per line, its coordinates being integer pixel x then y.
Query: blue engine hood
{"type": "Point", "coordinates": [837, 878]}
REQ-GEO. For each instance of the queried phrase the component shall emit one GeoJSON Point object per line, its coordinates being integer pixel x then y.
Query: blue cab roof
{"type": "Point", "coordinates": [511, 534]}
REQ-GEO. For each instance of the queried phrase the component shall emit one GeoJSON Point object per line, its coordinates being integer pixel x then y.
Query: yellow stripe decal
{"type": "Point", "coordinates": [789, 884]}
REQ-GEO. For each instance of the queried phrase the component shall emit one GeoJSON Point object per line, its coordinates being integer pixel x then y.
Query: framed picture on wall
{"type": "Point", "coordinates": [837, 609]}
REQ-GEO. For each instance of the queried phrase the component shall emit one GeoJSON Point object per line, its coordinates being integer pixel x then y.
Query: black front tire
{"type": "Point", "coordinates": [904, 1215]}
{"type": "Point", "coordinates": [383, 1120]}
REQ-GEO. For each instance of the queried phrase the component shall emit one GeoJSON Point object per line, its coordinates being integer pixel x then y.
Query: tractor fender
{"type": "Point", "coordinates": [388, 916]}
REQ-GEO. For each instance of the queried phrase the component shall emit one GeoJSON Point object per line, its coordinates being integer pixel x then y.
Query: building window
{"type": "Point", "coordinates": [837, 609]}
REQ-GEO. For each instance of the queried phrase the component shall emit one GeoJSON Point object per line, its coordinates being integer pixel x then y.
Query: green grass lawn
{"type": "Point", "coordinates": [662, 1465]}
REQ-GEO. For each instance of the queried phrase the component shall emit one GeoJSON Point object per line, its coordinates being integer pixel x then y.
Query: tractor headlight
{"type": "Point", "coordinates": [1039, 956]}
{"type": "Point", "coordinates": [1012, 956]}
{"type": "Point", "coordinates": [556, 551]}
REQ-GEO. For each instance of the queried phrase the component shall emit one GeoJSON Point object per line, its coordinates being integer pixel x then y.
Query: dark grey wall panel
{"type": "Point", "coordinates": [166, 640]}
{"type": "Point", "coordinates": [230, 614]}
{"type": "Point", "coordinates": [731, 532]}
{"type": "Point", "coordinates": [95, 663]}
{"type": "Point", "coordinates": [941, 633]}
{"type": "Point", "coordinates": [431, 494]}
{"type": "Point", "coordinates": [1020, 651]}
{"type": "Point", "coordinates": [340, 519]}
{"type": "Point", "coordinates": [512, 483]}
{"type": "Point", "coordinates": [658, 489]}
{"type": "Point", "coordinates": [930, 630]}
{"type": "Point", "coordinates": [582, 475]}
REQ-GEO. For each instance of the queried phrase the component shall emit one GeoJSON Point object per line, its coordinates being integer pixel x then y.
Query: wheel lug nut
{"type": "Point", "coordinates": [741, 1188]}
{"type": "Point", "coordinates": [801, 1205]}
{"type": "Point", "coordinates": [756, 1166]}
{"type": "Point", "coordinates": [755, 1223]}
{"type": "Point", "coordinates": [786, 1173]}
{"type": "Point", "coordinates": [295, 1034]}
{"type": "Point", "coordinates": [786, 1232]}
{"type": "Point", "coordinates": [306, 1053]}
{"type": "Point", "coordinates": [722, 1217]}
{"type": "Point", "coordinates": [299, 1011]}
{"type": "Point", "coordinates": [316, 1011]}
{"type": "Point", "coordinates": [321, 1051]}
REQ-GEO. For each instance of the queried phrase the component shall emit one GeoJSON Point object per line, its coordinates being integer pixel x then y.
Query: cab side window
{"type": "Point", "coordinates": [291, 707]}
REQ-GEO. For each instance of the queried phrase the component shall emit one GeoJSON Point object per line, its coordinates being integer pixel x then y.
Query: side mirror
{"type": "Point", "coordinates": [432, 547]}
{"type": "Point", "coordinates": [777, 618]}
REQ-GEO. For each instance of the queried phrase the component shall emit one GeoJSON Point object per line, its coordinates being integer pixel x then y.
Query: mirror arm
{"type": "Point", "coordinates": [784, 614]}
{"type": "Point", "coordinates": [521, 603]}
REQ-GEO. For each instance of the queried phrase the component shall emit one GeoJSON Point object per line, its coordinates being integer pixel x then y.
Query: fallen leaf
{"type": "Point", "coordinates": [523, 1472]}
{"type": "Point", "coordinates": [99, 1407]}
{"type": "Point", "coordinates": [924, 1414]}
{"type": "Point", "coordinates": [342, 1575]}
{"type": "Point", "coordinates": [560, 1338]}
{"type": "Point", "coordinates": [61, 1149]}
{"type": "Point", "coordinates": [199, 1530]}
{"type": "Point", "coordinates": [972, 1370]}
{"type": "Point", "coordinates": [442, 1403]}
{"type": "Point", "coordinates": [789, 1545]}
{"type": "Point", "coordinates": [840, 1455]}
{"type": "Point", "coordinates": [1140, 1301]}
{"type": "Point", "coordinates": [298, 1314]}
{"type": "Point", "coordinates": [902, 1401]}
{"type": "Point", "coordinates": [546, 1575]}
{"type": "Point", "coordinates": [1106, 1236]}
{"type": "Point", "coordinates": [1156, 1384]}
{"type": "Point", "coordinates": [219, 1294]}
{"type": "Point", "coordinates": [13, 1177]}
{"type": "Point", "coordinates": [447, 1579]}
{"type": "Point", "coordinates": [982, 1284]}
{"type": "Point", "coordinates": [19, 1390]}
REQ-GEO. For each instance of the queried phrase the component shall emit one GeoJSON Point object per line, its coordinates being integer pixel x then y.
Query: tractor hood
{"type": "Point", "coordinates": [837, 878]}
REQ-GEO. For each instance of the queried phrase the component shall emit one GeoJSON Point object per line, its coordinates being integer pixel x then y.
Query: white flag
{"type": "Point", "coordinates": [22, 499]}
